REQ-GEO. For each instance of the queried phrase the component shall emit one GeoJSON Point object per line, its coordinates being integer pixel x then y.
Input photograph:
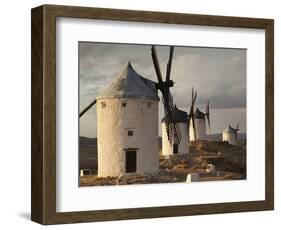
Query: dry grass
{"type": "Point", "coordinates": [230, 162]}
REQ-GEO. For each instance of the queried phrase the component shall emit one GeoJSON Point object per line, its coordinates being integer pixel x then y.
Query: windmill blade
{"type": "Point", "coordinates": [169, 64]}
{"type": "Point", "coordinates": [193, 120]}
{"type": "Point", "coordinates": [156, 64]}
{"type": "Point", "coordinates": [236, 132]}
{"type": "Point", "coordinates": [208, 107]}
{"type": "Point", "coordinates": [193, 103]}
{"type": "Point", "coordinates": [194, 99]}
{"type": "Point", "coordinates": [173, 132]}
{"type": "Point", "coordinates": [208, 114]}
{"type": "Point", "coordinates": [87, 108]}
{"type": "Point", "coordinates": [191, 112]}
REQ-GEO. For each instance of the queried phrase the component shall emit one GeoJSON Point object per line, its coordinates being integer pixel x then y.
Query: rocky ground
{"type": "Point", "coordinates": [229, 161]}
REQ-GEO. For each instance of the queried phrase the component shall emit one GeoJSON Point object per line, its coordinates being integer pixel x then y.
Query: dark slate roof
{"type": "Point", "coordinates": [198, 114]}
{"type": "Point", "coordinates": [130, 84]}
{"type": "Point", "coordinates": [179, 115]}
{"type": "Point", "coordinates": [229, 129]}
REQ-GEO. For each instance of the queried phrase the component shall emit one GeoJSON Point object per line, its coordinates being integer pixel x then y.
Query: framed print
{"type": "Point", "coordinates": [140, 114]}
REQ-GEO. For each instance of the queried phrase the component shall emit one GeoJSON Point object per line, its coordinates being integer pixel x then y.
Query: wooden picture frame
{"type": "Point", "coordinates": [43, 208]}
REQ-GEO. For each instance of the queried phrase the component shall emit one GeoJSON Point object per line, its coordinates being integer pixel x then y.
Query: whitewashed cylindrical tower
{"type": "Point", "coordinates": [169, 149]}
{"type": "Point", "coordinates": [230, 135]}
{"type": "Point", "coordinates": [127, 126]}
{"type": "Point", "coordinates": [200, 126]}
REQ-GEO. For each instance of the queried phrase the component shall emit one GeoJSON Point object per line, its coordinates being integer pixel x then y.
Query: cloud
{"type": "Point", "coordinates": [218, 75]}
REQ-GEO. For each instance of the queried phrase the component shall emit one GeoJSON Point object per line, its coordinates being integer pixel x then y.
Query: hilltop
{"type": "Point", "coordinates": [229, 161]}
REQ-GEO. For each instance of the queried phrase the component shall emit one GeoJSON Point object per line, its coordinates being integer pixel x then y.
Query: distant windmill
{"type": "Point", "coordinates": [197, 121]}
{"type": "Point", "coordinates": [230, 134]}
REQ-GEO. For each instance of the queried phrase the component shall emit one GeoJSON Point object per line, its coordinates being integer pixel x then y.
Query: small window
{"type": "Point", "coordinates": [123, 104]}
{"type": "Point", "coordinates": [103, 105]}
{"type": "Point", "coordinates": [130, 133]}
{"type": "Point", "coordinates": [148, 104]}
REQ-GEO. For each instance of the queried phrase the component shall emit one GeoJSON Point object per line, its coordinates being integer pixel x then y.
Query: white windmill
{"type": "Point", "coordinates": [127, 121]}
{"type": "Point", "coordinates": [197, 125]}
{"type": "Point", "coordinates": [230, 134]}
{"type": "Point", "coordinates": [181, 120]}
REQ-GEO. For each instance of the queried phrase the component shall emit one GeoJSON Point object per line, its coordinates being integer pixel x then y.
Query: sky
{"type": "Point", "coordinates": [218, 75]}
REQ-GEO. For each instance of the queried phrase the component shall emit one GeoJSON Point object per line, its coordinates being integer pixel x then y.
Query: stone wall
{"type": "Point", "coordinates": [115, 117]}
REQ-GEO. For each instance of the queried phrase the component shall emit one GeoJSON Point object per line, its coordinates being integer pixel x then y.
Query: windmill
{"type": "Point", "coordinates": [127, 137]}
{"type": "Point", "coordinates": [198, 120]}
{"type": "Point", "coordinates": [230, 134]}
{"type": "Point", "coordinates": [173, 132]}
{"type": "Point", "coordinates": [120, 96]}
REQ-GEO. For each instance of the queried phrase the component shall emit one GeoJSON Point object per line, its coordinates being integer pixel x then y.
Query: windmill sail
{"type": "Point", "coordinates": [87, 108]}
{"type": "Point", "coordinates": [169, 64]}
{"type": "Point", "coordinates": [172, 130]}
{"type": "Point", "coordinates": [208, 114]}
{"type": "Point", "coordinates": [191, 113]}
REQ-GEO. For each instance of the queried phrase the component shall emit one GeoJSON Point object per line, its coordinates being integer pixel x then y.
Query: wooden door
{"type": "Point", "coordinates": [131, 161]}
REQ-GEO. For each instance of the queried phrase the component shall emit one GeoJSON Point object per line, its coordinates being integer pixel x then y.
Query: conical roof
{"type": "Point", "coordinates": [180, 116]}
{"type": "Point", "coordinates": [130, 85]}
{"type": "Point", "coordinates": [229, 129]}
{"type": "Point", "coordinates": [198, 114]}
